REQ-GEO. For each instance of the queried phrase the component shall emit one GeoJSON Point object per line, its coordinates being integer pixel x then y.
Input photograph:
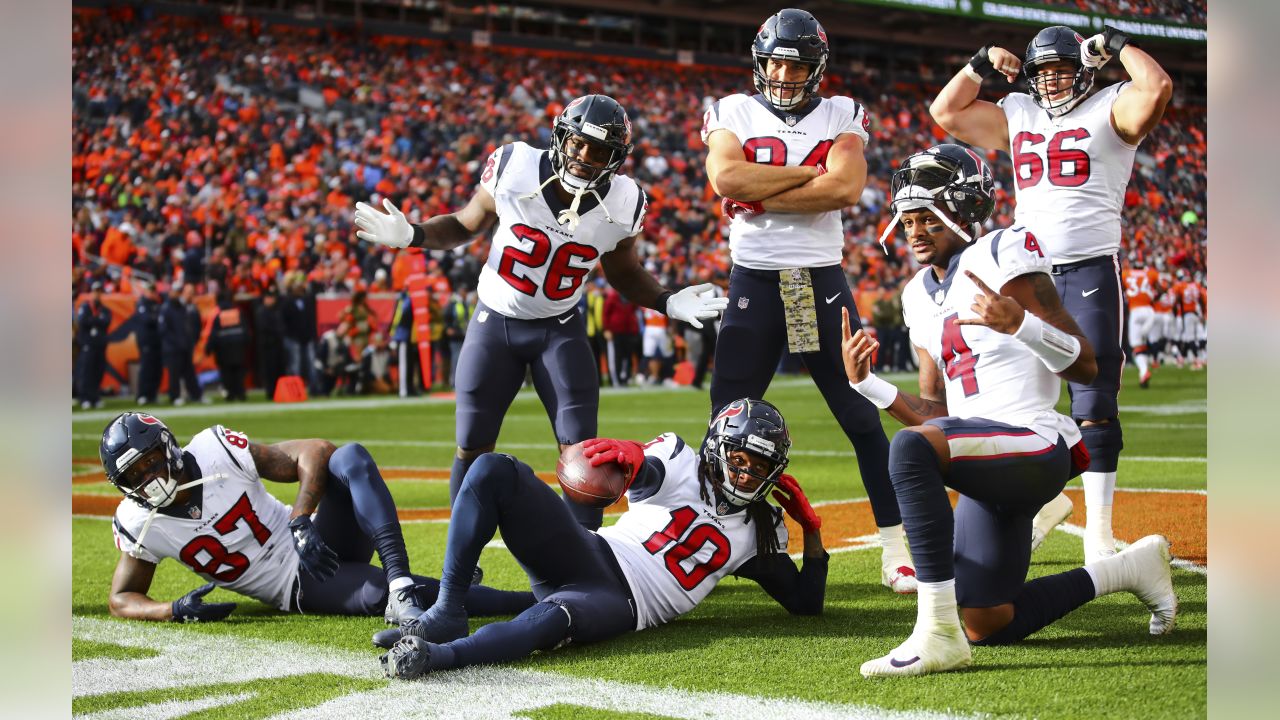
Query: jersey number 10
{"type": "Point", "coordinates": [686, 545]}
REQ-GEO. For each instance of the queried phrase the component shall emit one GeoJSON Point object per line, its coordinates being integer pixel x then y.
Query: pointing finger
{"type": "Point", "coordinates": [981, 285]}
{"type": "Point", "coordinates": [844, 318]}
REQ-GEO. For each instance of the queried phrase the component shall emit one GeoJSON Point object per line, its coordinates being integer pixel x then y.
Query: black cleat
{"type": "Point", "coordinates": [408, 659]}
{"type": "Point", "coordinates": [436, 626]}
{"type": "Point", "coordinates": [386, 638]}
{"type": "Point", "coordinates": [477, 576]}
{"type": "Point", "coordinates": [402, 605]}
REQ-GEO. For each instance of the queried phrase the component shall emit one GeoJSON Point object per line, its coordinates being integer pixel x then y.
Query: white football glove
{"type": "Point", "coordinates": [1093, 51]}
{"type": "Point", "coordinates": [695, 304]}
{"type": "Point", "coordinates": [390, 228]}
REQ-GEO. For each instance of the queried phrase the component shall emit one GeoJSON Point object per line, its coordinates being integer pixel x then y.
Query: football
{"type": "Point", "coordinates": [586, 485]}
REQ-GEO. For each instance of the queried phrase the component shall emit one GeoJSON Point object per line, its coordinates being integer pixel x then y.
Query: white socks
{"type": "Point", "coordinates": [936, 604]}
{"type": "Point", "coordinates": [1099, 491]}
{"type": "Point", "coordinates": [893, 544]}
{"type": "Point", "coordinates": [400, 582]}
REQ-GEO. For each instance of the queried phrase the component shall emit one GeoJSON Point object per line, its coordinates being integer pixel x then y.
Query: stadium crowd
{"type": "Point", "coordinates": [230, 158]}
{"type": "Point", "coordinates": [1178, 11]}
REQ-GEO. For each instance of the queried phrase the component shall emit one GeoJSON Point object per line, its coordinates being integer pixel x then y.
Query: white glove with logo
{"type": "Point", "coordinates": [390, 228]}
{"type": "Point", "coordinates": [695, 304]}
{"type": "Point", "coordinates": [1093, 51]}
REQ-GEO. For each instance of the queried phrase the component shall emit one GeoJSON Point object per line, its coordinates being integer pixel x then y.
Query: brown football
{"type": "Point", "coordinates": [591, 486]}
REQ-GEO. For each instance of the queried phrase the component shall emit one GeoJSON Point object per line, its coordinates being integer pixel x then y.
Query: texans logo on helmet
{"type": "Point", "coordinates": [147, 419]}
{"type": "Point", "coordinates": [732, 411]}
{"type": "Point", "coordinates": [576, 102]}
{"type": "Point", "coordinates": [822, 34]}
{"type": "Point", "coordinates": [1079, 37]}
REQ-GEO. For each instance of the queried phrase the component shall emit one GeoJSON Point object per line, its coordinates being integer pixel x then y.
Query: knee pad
{"type": "Point", "coordinates": [909, 451]}
{"type": "Point", "coordinates": [1104, 443]}
{"type": "Point", "coordinates": [348, 457]}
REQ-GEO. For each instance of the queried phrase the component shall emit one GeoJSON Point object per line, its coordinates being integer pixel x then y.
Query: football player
{"type": "Point", "coordinates": [692, 519]}
{"type": "Point", "coordinates": [206, 506]}
{"type": "Point", "coordinates": [559, 212]}
{"type": "Point", "coordinates": [1072, 155]}
{"type": "Point", "coordinates": [1141, 285]}
{"type": "Point", "coordinates": [786, 162]}
{"type": "Point", "coordinates": [992, 338]}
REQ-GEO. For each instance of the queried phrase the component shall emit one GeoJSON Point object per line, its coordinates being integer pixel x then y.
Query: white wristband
{"type": "Point", "coordinates": [880, 392]}
{"type": "Point", "coordinates": [1056, 349]}
{"type": "Point", "coordinates": [972, 74]}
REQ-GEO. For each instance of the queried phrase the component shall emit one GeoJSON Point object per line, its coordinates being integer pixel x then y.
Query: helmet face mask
{"type": "Point", "coordinates": [945, 177]}
{"type": "Point", "coordinates": [746, 450]}
{"type": "Point", "coordinates": [590, 141]}
{"type": "Point", "coordinates": [1057, 90]}
{"type": "Point", "coordinates": [793, 35]}
{"type": "Point", "coordinates": [132, 447]}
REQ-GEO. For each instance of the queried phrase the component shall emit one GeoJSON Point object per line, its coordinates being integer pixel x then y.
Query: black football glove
{"type": "Point", "coordinates": [316, 558]}
{"type": "Point", "coordinates": [192, 608]}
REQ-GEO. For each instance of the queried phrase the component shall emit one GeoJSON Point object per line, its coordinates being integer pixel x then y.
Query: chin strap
{"type": "Point", "coordinates": [570, 216]}
{"type": "Point", "coordinates": [152, 515]}
{"type": "Point", "coordinates": [920, 198]}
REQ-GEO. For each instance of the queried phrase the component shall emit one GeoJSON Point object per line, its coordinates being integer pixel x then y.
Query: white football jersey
{"type": "Point", "coordinates": [673, 547]}
{"type": "Point", "coordinates": [1070, 174]}
{"type": "Point", "coordinates": [775, 240]}
{"type": "Point", "coordinates": [987, 374]}
{"type": "Point", "coordinates": [241, 538]}
{"type": "Point", "coordinates": [536, 265]}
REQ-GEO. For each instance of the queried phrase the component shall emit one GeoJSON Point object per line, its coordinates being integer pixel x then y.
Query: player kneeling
{"type": "Point", "coordinates": [985, 426]}
{"type": "Point", "coordinates": [205, 505]}
{"type": "Point", "coordinates": [691, 521]}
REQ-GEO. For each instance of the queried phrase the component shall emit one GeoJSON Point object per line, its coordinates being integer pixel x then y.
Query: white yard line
{"type": "Point", "coordinates": [193, 659]}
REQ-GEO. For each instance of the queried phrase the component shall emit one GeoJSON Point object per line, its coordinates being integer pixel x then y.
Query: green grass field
{"type": "Point", "coordinates": [737, 655]}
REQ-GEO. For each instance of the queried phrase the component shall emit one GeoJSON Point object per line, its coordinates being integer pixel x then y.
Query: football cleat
{"type": "Point", "coordinates": [1143, 569]}
{"type": "Point", "coordinates": [408, 659]}
{"type": "Point", "coordinates": [1144, 380]}
{"type": "Point", "coordinates": [386, 638]}
{"type": "Point", "coordinates": [402, 605]}
{"type": "Point", "coordinates": [437, 626]}
{"type": "Point", "coordinates": [477, 575]}
{"type": "Point", "coordinates": [1054, 513]}
{"type": "Point", "coordinates": [900, 579]}
{"type": "Point", "coordinates": [938, 648]}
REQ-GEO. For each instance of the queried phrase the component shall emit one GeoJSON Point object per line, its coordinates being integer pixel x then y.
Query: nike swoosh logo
{"type": "Point", "coordinates": [903, 663]}
{"type": "Point", "coordinates": [1087, 293]}
{"type": "Point", "coordinates": [565, 320]}
{"type": "Point", "coordinates": [832, 298]}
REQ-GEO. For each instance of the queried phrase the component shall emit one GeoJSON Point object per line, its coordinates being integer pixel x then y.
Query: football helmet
{"type": "Point", "coordinates": [756, 427]}
{"type": "Point", "coordinates": [600, 122]}
{"type": "Point", "coordinates": [1058, 43]}
{"type": "Point", "coordinates": [128, 439]}
{"type": "Point", "coordinates": [790, 34]}
{"type": "Point", "coordinates": [949, 175]}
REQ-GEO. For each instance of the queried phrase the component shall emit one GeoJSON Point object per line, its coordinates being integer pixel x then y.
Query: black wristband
{"type": "Point", "coordinates": [661, 303]}
{"type": "Point", "coordinates": [419, 237]}
{"type": "Point", "coordinates": [1115, 40]}
{"type": "Point", "coordinates": [981, 62]}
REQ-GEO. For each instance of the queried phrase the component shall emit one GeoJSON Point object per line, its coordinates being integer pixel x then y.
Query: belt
{"type": "Point", "coordinates": [773, 274]}
{"type": "Point", "coordinates": [1091, 262]}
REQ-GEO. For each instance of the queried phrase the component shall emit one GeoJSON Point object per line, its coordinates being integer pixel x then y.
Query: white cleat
{"type": "Point", "coordinates": [1054, 513]}
{"type": "Point", "coordinates": [1148, 560]}
{"type": "Point", "coordinates": [937, 649]}
{"type": "Point", "coordinates": [1096, 549]}
{"type": "Point", "coordinates": [898, 578]}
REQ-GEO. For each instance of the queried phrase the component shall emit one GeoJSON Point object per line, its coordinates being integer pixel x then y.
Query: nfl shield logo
{"type": "Point", "coordinates": [742, 303]}
{"type": "Point", "coordinates": [939, 296]}
{"type": "Point", "coordinates": [792, 120]}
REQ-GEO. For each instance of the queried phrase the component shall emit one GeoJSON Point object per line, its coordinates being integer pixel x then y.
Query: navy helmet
{"type": "Point", "coordinates": [1058, 43]}
{"type": "Point", "coordinates": [949, 176]}
{"type": "Point", "coordinates": [756, 427]}
{"type": "Point", "coordinates": [790, 34]}
{"type": "Point", "coordinates": [127, 440]}
{"type": "Point", "coordinates": [600, 122]}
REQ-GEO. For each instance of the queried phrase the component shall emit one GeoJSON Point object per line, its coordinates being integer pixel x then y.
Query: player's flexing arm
{"type": "Point", "coordinates": [837, 187]}
{"type": "Point", "coordinates": [1140, 105]}
{"type": "Point", "coordinates": [442, 232]}
{"type": "Point", "coordinates": [733, 176]}
{"type": "Point", "coordinates": [958, 110]}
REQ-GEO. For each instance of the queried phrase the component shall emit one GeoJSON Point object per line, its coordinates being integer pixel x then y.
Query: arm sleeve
{"type": "Point", "coordinates": [661, 454]}
{"type": "Point", "coordinates": [801, 591]}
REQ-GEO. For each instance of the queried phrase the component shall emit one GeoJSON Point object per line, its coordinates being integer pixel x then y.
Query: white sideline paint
{"type": "Point", "coordinates": [168, 709]}
{"type": "Point", "coordinates": [483, 693]}
{"type": "Point", "coordinates": [1177, 562]}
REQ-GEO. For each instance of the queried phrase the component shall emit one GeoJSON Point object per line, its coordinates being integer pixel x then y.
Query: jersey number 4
{"type": "Point", "coordinates": [679, 544]}
{"type": "Point", "coordinates": [958, 359]}
{"type": "Point", "coordinates": [1028, 167]}
{"type": "Point", "coordinates": [207, 555]}
{"type": "Point", "coordinates": [563, 277]}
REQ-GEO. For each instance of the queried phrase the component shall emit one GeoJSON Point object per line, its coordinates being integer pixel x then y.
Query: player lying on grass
{"type": "Point", "coordinates": [985, 426]}
{"type": "Point", "coordinates": [205, 505]}
{"type": "Point", "coordinates": [691, 521]}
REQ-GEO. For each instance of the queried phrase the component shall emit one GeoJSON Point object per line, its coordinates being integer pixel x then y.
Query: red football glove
{"type": "Point", "coordinates": [626, 453]}
{"type": "Point", "coordinates": [731, 208]}
{"type": "Point", "coordinates": [792, 499]}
